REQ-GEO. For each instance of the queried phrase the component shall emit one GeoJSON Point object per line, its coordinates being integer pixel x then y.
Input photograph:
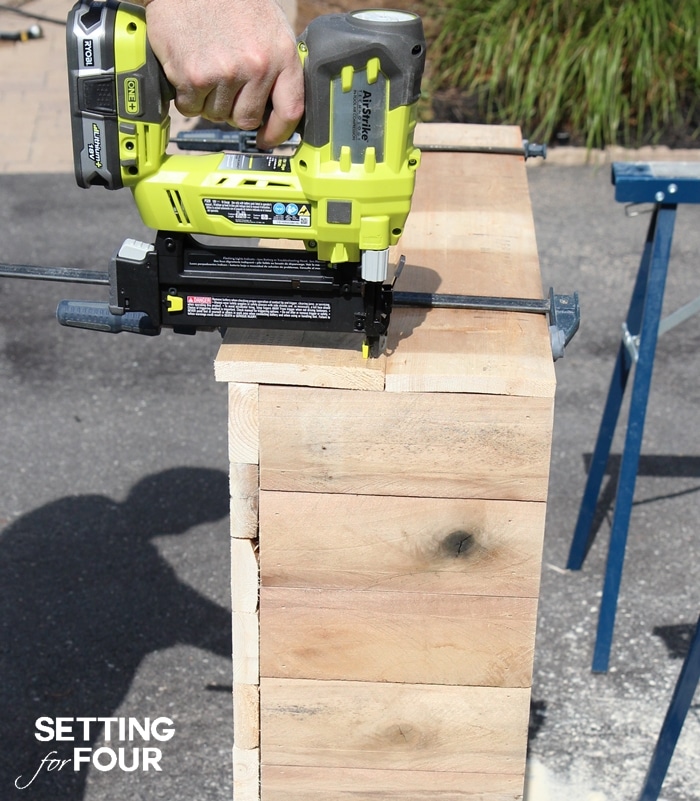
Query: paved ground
{"type": "Point", "coordinates": [597, 731]}
{"type": "Point", "coordinates": [107, 441]}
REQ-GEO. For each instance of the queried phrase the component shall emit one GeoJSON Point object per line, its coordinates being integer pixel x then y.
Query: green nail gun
{"type": "Point", "coordinates": [345, 191]}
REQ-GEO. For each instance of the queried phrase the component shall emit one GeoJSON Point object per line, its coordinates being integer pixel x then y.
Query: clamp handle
{"type": "Point", "coordinates": [96, 316]}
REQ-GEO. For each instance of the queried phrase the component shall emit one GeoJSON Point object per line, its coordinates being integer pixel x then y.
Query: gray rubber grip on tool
{"type": "Point", "coordinates": [334, 41]}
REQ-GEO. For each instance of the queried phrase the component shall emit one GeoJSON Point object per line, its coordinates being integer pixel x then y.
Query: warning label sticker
{"type": "Point", "coordinates": [256, 212]}
{"type": "Point", "coordinates": [254, 308]}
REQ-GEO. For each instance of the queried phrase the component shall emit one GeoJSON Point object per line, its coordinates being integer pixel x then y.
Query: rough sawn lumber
{"type": "Point", "coordinates": [387, 516]}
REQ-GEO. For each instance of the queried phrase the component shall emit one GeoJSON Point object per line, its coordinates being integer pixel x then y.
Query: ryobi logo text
{"type": "Point", "coordinates": [88, 53]}
{"type": "Point", "coordinates": [95, 147]}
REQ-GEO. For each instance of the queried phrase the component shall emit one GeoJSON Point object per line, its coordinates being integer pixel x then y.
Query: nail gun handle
{"type": "Point", "coordinates": [358, 67]}
{"type": "Point", "coordinates": [97, 316]}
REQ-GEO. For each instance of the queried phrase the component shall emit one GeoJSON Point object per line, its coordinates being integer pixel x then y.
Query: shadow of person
{"type": "Point", "coordinates": [84, 597]}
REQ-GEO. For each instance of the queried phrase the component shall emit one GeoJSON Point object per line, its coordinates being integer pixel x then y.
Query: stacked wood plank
{"type": "Point", "coordinates": [388, 515]}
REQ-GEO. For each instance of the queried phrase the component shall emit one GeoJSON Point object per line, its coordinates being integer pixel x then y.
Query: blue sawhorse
{"type": "Point", "coordinates": [673, 723]}
{"type": "Point", "coordinates": [666, 185]}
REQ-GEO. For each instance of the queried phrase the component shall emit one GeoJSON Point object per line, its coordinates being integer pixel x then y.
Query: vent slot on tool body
{"type": "Point", "coordinates": [178, 207]}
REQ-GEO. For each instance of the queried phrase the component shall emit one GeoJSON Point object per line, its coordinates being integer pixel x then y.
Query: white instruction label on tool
{"type": "Point", "coordinates": [254, 308]}
{"type": "Point", "coordinates": [257, 212]}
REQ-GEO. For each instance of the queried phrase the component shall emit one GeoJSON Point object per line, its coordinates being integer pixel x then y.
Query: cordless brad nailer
{"type": "Point", "coordinates": [345, 192]}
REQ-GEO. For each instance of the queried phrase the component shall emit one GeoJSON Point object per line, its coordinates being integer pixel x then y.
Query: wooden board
{"type": "Point", "coordinates": [470, 228]}
{"type": "Point", "coordinates": [418, 638]}
{"type": "Point", "coordinates": [447, 134]}
{"type": "Point", "coordinates": [403, 727]}
{"type": "Point", "coordinates": [427, 445]}
{"type": "Point", "coordinates": [280, 783]}
{"type": "Point", "coordinates": [470, 547]}
{"type": "Point", "coordinates": [469, 232]}
{"type": "Point", "coordinates": [501, 352]}
{"type": "Point", "coordinates": [297, 358]}
{"type": "Point", "coordinates": [388, 517]}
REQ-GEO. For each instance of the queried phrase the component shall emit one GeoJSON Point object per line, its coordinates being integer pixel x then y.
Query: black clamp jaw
{"type": "Point", "coordinates": [564, 318]}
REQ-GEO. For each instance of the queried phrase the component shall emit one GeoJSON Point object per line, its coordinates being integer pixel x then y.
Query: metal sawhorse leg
{"type": "Point", "coordinates": [666, 185]}
{"type": "Point", "coordinates": [673, 723]}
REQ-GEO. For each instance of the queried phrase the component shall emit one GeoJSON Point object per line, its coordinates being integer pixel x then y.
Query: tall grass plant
{"type": "Point", "coordinates": [605, 71]}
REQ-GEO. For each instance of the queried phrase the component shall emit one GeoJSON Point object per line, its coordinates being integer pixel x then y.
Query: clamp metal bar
{"type": "Point", "coordinates": [429, 300]}
{"type": "Point", "coordinates": [527, 151]}
{"type": "Point", "coordinates": [70, 275]}
{"type": "Point", "coordinates": [563, 310]}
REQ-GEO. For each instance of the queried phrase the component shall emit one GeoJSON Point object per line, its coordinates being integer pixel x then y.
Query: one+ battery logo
{"type": "Point", "coordinates": [132, 99]}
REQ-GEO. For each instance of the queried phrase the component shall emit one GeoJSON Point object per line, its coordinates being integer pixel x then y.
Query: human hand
{"type": "Point", "coordinates": [227, 59]}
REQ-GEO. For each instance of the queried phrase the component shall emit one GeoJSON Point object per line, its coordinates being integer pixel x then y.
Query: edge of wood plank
{"type": "Point", "coordinates": [287, 783]}
{"type": "Point", "coordinates": [298, 358]}
{"type": "Point", "coordinates": [453, 134]}
{"type": "Point", "coordinates": [246, 774]}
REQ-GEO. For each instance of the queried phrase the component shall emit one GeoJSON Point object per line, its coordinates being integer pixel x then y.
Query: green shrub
{"type": "Point", "coordinates": [606, 71]}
